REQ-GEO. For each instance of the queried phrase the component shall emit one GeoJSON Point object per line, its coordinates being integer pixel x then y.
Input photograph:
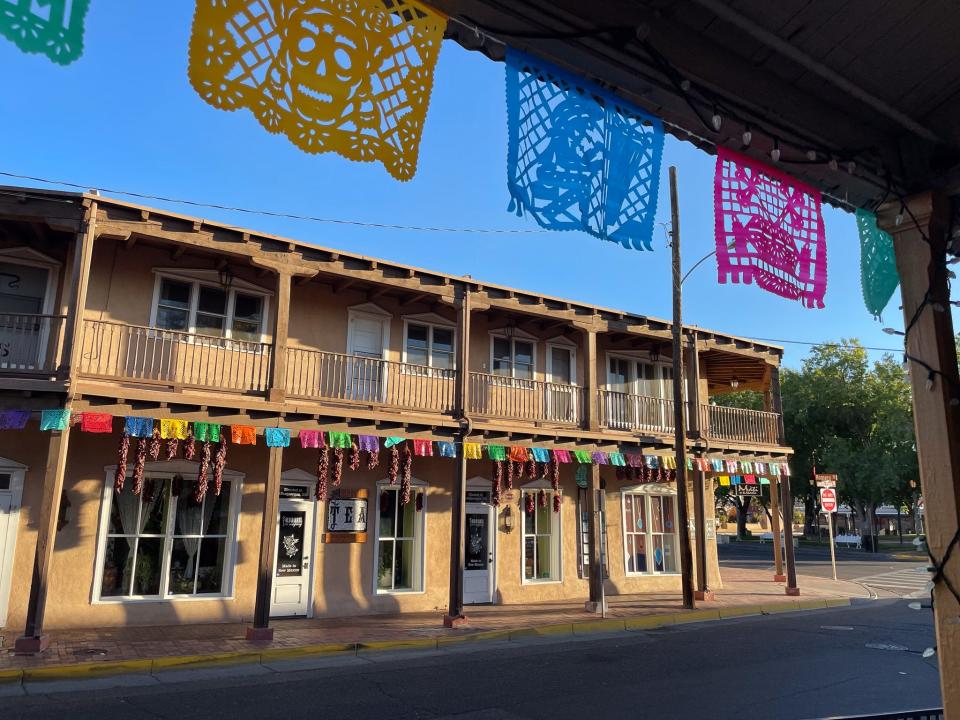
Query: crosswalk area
{"type": "Point", "coordinates": [908, 583]}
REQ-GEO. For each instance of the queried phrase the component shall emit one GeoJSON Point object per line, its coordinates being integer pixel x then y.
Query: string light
{"type": "Point", "coordinates": [747, 136]}
{"type": "Point", "coordinates": [832, 164]}
{"type": "Point", "coordinates": [775, 153]}
{"type": "Point", "coordinates": [812, 155]}
{"type": "Point", "coordinates": [716, 120]}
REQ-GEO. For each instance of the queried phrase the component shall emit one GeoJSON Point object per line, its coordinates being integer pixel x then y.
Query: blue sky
{"type": "Point", "coordinates": [125, 116]}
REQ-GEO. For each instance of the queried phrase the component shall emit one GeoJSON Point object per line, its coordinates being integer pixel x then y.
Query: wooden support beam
{"type": "Point", "coordinates": [920, 243]}
{"type": "Point", "coordinates": [77, 292]}
{"type": "Point", "coordinates": [281, 324]}
{"type": "Point", "coordinates": [595, 501]}
{"type": "Point", "coordinates": [261, 630]}
{"type": "Point", "coordinates": [778, 575]}
{"type": "Point", "coordinates": [34, 640]}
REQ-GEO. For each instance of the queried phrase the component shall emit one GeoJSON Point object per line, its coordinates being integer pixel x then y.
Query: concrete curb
{"type": "Point", "coordinates": [156, 666]}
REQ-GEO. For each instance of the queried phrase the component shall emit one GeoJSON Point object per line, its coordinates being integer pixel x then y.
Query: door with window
{"type": "Point", "coordinates": [620, 406]}
{"type": "Point", "coordinates": [293, 569]}
{"type": "Point", "coordinates": [479, 536]}
{"type": "Point", "coordinates": [561, 395]}
{"type": "Point", "coordinates": [366, 378]}
{"type": "Point", "coordinates": [24, 329]}
{"type": "Point", "coordinates": [11, 487]}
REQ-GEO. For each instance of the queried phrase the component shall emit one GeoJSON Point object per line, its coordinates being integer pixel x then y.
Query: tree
{"type": "Point", "coordinates": [845, 417]}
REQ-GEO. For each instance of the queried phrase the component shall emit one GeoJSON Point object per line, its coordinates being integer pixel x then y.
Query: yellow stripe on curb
{"type": "Point", "coordinates": [696, 616]}
{"type": "Point", "coordinates": [81, 671]}
{"type": "Point", "coordinates": [412, 644]}
{"type": "Point", "coordinates": [474, 637]}
{"type": "Point", "coordinates": [190, 662]}
{"type": "Point", "coordinates": [8, 677]}
{"type": "Point", "coordinates": [597, 626]}
{"type": "Point", "coordinates": [647, 622]}
{"type": "Point", "coordinates": [781, 607]}
{"type": "Point", "coordinates": [542, 631]}
{"type": "Point", "coordinates": [742, 611]}
{"type": "Point", "coordinates": [305, 651]}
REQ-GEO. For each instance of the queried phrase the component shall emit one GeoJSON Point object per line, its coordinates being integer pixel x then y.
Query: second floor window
{"type": "Point", "coordinates": [430, 345]}
{"type": "Point", "coordinates": [513, 357]}
{"type": "Point", "coordinates": [187, 306]}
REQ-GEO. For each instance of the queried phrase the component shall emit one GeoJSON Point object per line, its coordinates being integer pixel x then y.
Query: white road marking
{"type": "Point", "coordinates": [911, 582]}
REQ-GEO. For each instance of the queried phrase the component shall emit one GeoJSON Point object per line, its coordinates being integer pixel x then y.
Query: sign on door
{"type": "Point", "coordinates": [290, 545]}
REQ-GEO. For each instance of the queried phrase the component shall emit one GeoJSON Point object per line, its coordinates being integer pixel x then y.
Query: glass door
{"type": "Point", "coordinates": [561, 397]}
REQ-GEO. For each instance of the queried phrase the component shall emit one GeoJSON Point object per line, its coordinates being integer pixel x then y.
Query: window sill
{"type": "Point", "coordinates": [541, 582]}
{"type": "Point", "coordinates": [400, 592]}
{"type": "Point", "coordinates": [651, 574]}
{"type": "Point", "coordinates": [155, 600]}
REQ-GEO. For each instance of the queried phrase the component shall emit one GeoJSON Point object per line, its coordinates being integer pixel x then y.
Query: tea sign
{"type": "Point", "coordinates": [347, 515]}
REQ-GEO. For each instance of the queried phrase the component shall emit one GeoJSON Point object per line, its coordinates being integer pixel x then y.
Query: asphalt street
{"type": "Point", "coordinates": [884, 574]}
{"type": "Point", "coordinates": [840, 661]}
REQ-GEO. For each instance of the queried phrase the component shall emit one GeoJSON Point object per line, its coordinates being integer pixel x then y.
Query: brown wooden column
{"type": "Point", "coordinates": [778, 575]}
{"type": "Point", "coordinates": [936, 411]}
{"type": "Point", "coordinates": [786, 497]}
{"type": "Point", "coordinates": [591, 421]}
{"type": "Point", "coordinates": [703, 591]}
{"type": "Point", "coordinates": [34, 640]}
{"type": "Point", "coordinates": [281, 325]}
{"type": "Point", "coordinates": [461, 401]}
{"type": "Point", "coordinates": [261, 630]}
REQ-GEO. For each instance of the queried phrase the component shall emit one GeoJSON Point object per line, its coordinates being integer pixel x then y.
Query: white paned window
{"type": "Point", "coordinates": [541, 539]}
{"type": "Point", "coordinates": [399, 542]}
{"type": "Point", "coordinates": [650, 533]}
{"type": "Point", "coordinates": [430, 345]}
{"type": "Point", "coordinates": [163, 544]}
{"type": "Point", "coordinates": [513, 357]}
{"type": "Point", "coordinates": [195, 307]}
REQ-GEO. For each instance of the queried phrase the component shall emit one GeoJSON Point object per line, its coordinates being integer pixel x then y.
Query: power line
{"type": "Point", "coordinates": [844, 346]}
{"type": "Point", "coordinates": [274, 214]}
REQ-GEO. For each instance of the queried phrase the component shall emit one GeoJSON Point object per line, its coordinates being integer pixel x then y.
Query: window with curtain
{"type": "Point", "coordinates": [541, 542]}
{"type": "Point", "coordinates": [191, 306]}
{"type": "Point", "coordinates": [163, 544]}
{"type": "Point", "coordinates": [399, 542]}
{"type": "Point", "coordinates": [650, 533]}
{"type": "Point", "coordinates": [513, 357]}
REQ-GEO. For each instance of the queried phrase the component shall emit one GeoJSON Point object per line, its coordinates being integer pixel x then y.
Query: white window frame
{"type": "Point", "coordinates": [195, 283]}
{"type": "Point", "coordinates": [633, 383]}
{"type": "Point", "coordinates": [572, 349]}
{"type": "Point", "coordinates": [523, 337]}
{"type": "Point", "coordinates": [421, 520]}
{"type": "Point", "coordinates": [646, 492]}
{"type": "Point", "coordinates": [556, 533]}
{"type": "Point", "coordinates": [161, 470]}
{"type": "Point", "coordinates": [431, 322]}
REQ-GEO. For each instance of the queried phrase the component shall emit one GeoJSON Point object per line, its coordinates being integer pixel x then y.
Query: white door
{"type": "Point", "coordinates": [621, 401]}
{"type": "Point", "coordinates": [23, 328]}
{"type": "Point", "coordinates": [293, 574]}
{"type": "Point", "coordinates": [479, 560]}
{"type": "Point", "coordinates": [11, 488]}
{"type": "Point", "coordinates": [366, 377]}
{"type": "Point", "coordinates": [561, 395]}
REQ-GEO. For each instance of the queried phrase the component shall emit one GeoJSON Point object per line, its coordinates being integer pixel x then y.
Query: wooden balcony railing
{"type": "Point", "coordinates": [370, 381]}
{"type": "Point", "coordinates": [133, 352]}
{"type": "Point", "coordinates": [739, 425]}
{"type": "Point", "coordinates": [515, 399]}
{"type": "Point", "coordinates": [29, 343]}
{"type": "Point", "coordinates": [624, 411]}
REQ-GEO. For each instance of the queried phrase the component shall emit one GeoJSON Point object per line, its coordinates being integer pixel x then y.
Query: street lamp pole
{"type": "Point", "coordinates": [679, 406]}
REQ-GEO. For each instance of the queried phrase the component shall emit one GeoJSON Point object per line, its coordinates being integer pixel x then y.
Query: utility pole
{"type": "Point", "coordinates": [679, 406]}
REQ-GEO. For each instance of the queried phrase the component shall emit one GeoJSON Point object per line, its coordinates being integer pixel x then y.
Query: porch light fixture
{"type": "Point", "coordinates": [734, 383]}
{"type": "Point", "coordinates": [508, 519]}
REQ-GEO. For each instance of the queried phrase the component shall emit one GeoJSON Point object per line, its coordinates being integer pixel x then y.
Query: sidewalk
{"type": "Point", "coordinates": [95, 652]}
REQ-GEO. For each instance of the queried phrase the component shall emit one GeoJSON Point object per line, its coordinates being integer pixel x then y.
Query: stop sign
{"type": "Point", "coordinates": [828, 499]}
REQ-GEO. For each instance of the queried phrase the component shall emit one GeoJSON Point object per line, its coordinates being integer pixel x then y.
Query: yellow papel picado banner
{"type": "Point", "coordinates": [347, 76]}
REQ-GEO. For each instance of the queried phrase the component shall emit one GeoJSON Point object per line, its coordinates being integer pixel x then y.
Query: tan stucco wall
{"type": "Point", "coordinates": [343, 573]}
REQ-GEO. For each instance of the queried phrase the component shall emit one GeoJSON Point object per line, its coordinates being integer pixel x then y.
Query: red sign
{"type": "Point", "coordinates": [828, 500]}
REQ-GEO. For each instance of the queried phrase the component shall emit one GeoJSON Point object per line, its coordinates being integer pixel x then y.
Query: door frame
{"type": "Point", "coordinates": [480, 483]}
{"type": "Point", "coordinates": [17, 473]}
{"type": "Point", "coordinates": [296, 476]}
{"type": "Point", "coordinates": [563, 344]}
{"type": "Point", "coordinates": [370, 311]}
{"type": "Point", "coordinates": [28, 257]}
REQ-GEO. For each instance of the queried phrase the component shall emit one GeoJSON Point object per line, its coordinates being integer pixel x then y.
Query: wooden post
{"type": "Point", "coordinates": [680, 435]}
{"type": "Point", "coordinates": [34, 640]}
{"type": "Point", "coordinates": [786, 502]}
{"type": "Point", "coordinates": [778, 575]}
{"type": "Point", "coordinates": [281, 326]}
{"type": "Point", "coordinates": [700, 513]}
{"type": "Point", "coordinates": [936, 412]}
{"type": "Point", "coordinates": [693, 388]}
{"type": "Point", "coordinates": [592, 422]}
{"type": "Point", "coordinates": [458, 517]}
{"type": "Point", "coordinates": [261, 630]}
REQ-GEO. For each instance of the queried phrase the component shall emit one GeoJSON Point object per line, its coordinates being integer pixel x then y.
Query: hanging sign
{"type": "Point", "coordinates": [744, 490]}
{"type": "Point", "coordinates": [290, 543]}
{"type": "Point", "coordinates": [295, 492]}
{"type": "Point", "coordinates": [825, 481]}
{"type": "Point", "coordinates": [347, 519]}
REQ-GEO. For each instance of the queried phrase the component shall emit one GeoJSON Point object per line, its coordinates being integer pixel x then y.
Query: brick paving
{"type": "Point", "coordinates": [742, 587]}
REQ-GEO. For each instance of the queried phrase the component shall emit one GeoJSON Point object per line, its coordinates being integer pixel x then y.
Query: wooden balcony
{"type": "Point", "coordinates": [110, 350]}
{"type": "Point", "coordinates": [496, 396]}
{"type": "Point", "coordinates": [368, 381]}
{"type": "Point", "coordinates": [639, 413]}
{"type": "Point", "coordinates": [30, 343]}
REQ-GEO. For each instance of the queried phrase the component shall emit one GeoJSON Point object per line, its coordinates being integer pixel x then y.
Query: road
{"type": "Point", "coordinates": [839, 661]}
{"type": "Point", "coordinates": [884, 574]}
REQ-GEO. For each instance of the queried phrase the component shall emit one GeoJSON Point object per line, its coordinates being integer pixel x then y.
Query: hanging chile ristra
{"type": "Point", "coordinates": [189, 445]}
{"type": "Point", "coordinates": [556, 502]}
{"type": "Point", "coordinates": [323, 472]}
{"type": "Point", "coordinates": [532, 469]}
{"type": "Point", "coordinates": [555, 476]}
{"type": "Point", "coordinates": [173, 446]}
{"type": "Point", "coordinates": [354, 457]}
{"type": "Point", "coordinates": [373, 459]}
{"type": "Point", "coordinates": [139, 466]}
{"type": "Point", "coordinates": [497, 482]}
{"type": "Point", "coordinates": [219, 464]}
{"type": "Point", "coordinates": [200, 492]}
{"type": "Point", "coordinates": [155, 445]}
{"type": "Point", "coordinates": [337, 466]}
{"type": "Point", "coordinates": [406, 475]}
{"type": "Point", "coordinates": [509, 474]}
{"type": "Point", "coordinates": [121, 475]}
{"type": "Point", "coordinates": [530, 502]}
{"type": "Point", "coordinates": [542, 498]}
{"type": "Point", "coordinates": [393, 471]}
